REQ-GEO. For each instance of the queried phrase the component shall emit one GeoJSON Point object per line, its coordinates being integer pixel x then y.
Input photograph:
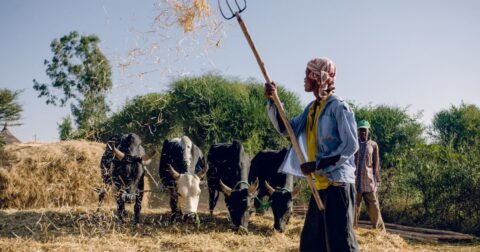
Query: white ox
{"type": "Point", "coordinates": [182, 166]}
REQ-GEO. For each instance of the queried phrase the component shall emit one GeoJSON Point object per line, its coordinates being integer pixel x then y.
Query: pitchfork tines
{"type": "Point", "coordinates": [230, 13]}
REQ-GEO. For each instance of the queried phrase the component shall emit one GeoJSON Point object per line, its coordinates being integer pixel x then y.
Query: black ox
{"type": "Point", "coordinates": [182, 166]}
{"type": "Point", "coordinates": [277, 186]}
{"type": "Point", "coordinates": [122, 165]}
{"type": "Point", "coordinates": [106, 167]}
{"type": "Point", "coordinates": [229, 165]}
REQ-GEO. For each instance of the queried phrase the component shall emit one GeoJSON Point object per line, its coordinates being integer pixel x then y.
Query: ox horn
{"type": "Point", "coordinates": [118, 154]}
{"type": "Point", "coordinates": [269, 188]}
{"type": "Point", "coordinates": [202, 172]}
{"type": "Point", "coordinates": [227, 190]}
{"type": "Point", "coordinates": [173, 172]}
{"type": "Point", "coordinates": [253, 187]}
{"type": "Point", "coordinates": [147, 159]}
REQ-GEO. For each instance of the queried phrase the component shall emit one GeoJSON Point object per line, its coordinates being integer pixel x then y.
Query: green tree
{"type": "Point", "coordinates": [80, 74]}
{"type": "Point", "coordinates": [457, 126]}
{"type": "Point", "coordinates": [144, 115]}
{"type": "Point", "coordinates": [436, 186]}
{"type": "Point", "coordinates": [10, 108]}
{"type": "Point", "coordinates": [212, 109]}
{"type": "Point", "coordinates": [392, 128]}
{"type": "Point", "coordinates": [209, 109]}
{"type": "Point", "coordinates": [65, 128]}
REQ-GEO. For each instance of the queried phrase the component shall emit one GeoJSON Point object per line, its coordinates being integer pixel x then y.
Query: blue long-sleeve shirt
{"type": "Point", "coordinates": [336, 135]}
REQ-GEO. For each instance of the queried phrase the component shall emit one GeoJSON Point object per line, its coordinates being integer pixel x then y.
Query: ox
{"type": "Point", "coordinates": [229, 166]}
{"type": "Point", "coordinates": [277, 186]}
{"type": "Point", "coordinates": [182, 166]}
{"type": "Point", "coordinates": [106, 167]}
{"type": "Point", "coordinates": [127, 173]}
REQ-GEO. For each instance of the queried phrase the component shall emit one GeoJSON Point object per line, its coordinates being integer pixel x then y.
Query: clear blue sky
{"type": "Point", "coordinates": [419, 53]}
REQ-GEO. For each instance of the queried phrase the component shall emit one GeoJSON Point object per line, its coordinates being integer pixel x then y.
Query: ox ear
{"type": "Point", "coordinates": [269, 188]}
{"type": "Point", "coordinates": [202, 172]}
{"type": "Point", "coordinates": [118, 154]}
{"type": "Point", "coordinates": [147, 159]}
{"type": "Point", "coordinates": [173, 172]}
{"type": "Point", "coordinates": [227, 190]}
{"type": "Point", "coordinates": [253, 187]}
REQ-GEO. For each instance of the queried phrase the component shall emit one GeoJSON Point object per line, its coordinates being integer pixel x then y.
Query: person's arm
{"type": "Point", "coordinates": [347, 131]}
{"type": "Point", "coordinates": [376, 163]}
{"type": "Point", "coordinates": [272, 112]}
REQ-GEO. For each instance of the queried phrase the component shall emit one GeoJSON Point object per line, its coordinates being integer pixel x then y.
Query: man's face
{"type": "Point", "coordinates": [363, 134]}
{"type": "Point", "coordinates": [309, 84]}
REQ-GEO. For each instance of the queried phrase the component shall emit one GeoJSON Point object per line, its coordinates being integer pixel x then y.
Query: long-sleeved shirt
{"type": "Point", "coordinates": [367, 161]}
{"type": "Point", "coordinates": [336, 135]}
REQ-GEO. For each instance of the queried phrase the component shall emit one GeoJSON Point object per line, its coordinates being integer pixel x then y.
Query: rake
{"type": "Point", "coordinates": [232, 11]}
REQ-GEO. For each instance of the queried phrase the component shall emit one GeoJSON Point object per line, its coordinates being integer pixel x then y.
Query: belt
{"type": "Point", "coordinates": [335, 183]}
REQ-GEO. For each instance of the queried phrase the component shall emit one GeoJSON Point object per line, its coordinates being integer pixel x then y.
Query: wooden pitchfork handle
{"type": "Point", "coordinates": [279, 106]}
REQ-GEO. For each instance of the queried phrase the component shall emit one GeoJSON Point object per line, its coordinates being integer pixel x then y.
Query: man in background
{"type": "Point", "coordinates": [367, 161]}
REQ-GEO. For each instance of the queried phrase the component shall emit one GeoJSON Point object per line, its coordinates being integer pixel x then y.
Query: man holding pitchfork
{"type": "Point", "coordinates": [327, 134]}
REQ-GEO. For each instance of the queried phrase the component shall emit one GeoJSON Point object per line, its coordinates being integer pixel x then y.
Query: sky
{"type": "Point", "coordinates": [421, 54]}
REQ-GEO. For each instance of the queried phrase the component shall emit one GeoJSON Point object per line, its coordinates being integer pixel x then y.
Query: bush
{"type": "Point", "coordinates": [436, 186]}
{"type": "Point", "coordinates": [212, 109]}
{"type": "Point", "coordinates": [457, 126]}
{"type": "Point", "coordinates": [145, 115]}
{"type": "Point", "coordinates": [393, 128]}
{"type": "Point", "coordinates": [209, 109]}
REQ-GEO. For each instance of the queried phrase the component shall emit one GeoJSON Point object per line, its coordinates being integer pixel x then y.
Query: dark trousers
{"type": "Point", "coordinates": [331, 229]}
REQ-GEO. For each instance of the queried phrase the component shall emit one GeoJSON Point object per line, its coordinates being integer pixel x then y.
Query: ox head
{"type": "Point", "coordinates": [188, 190]}
{"type": "Point", "coordinates": [281, 203]}
{"type": "Point", "coordinates": [131, 159]}
{"type": "Point", "coordinates": [184, 161]}
{"type": "Point", "coordinates": [239, 200]}
{"type": "Point", "coordinates": [183, 154]}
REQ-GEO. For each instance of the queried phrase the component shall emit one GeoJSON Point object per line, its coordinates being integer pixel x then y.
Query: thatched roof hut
{"type": "Point", "coordinates": [7, 136]}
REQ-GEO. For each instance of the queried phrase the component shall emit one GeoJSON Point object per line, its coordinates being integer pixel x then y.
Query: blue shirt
{"type": "Point", "coordinates": [336, 135]}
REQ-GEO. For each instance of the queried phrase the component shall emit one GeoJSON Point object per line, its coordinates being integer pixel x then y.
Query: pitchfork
{"type": "Point", "coordinates": [235, 12]}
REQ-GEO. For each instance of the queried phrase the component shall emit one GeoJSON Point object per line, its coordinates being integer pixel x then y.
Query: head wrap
{"type": "Point", "coordinates": [323, 70]}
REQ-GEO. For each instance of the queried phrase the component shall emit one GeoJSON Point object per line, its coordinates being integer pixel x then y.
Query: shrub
{"type": "Point", "coordinates": [209, 109]}
{"type": "Point", "coordinates": [436, 186]}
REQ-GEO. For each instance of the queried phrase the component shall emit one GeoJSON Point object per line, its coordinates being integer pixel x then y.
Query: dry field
{"type": "Point", "coordinates": [49, 204]}
{"type": "Point", "coordinates": [86, 229]}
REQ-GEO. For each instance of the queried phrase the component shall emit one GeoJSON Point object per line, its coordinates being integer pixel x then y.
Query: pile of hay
{"type": "Point", "coordinates": [36, 175]}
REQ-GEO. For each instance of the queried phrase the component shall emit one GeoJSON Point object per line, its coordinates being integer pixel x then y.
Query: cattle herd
{"type": "Point", "coordinates": [227, 168]}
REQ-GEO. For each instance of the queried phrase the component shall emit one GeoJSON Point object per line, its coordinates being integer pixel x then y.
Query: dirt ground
{"type": "Point", "coordinates": [92, 229]}
{"type": "Point", "coordinates": [49, 218]}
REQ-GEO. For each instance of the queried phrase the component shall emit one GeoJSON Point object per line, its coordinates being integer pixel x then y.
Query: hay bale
{"type": "Point", "coordinates": [36, 175]}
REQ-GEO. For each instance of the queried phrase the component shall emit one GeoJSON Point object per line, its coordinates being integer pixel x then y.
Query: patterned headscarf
{"type": "Point", "coordinates": [323, 70]}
